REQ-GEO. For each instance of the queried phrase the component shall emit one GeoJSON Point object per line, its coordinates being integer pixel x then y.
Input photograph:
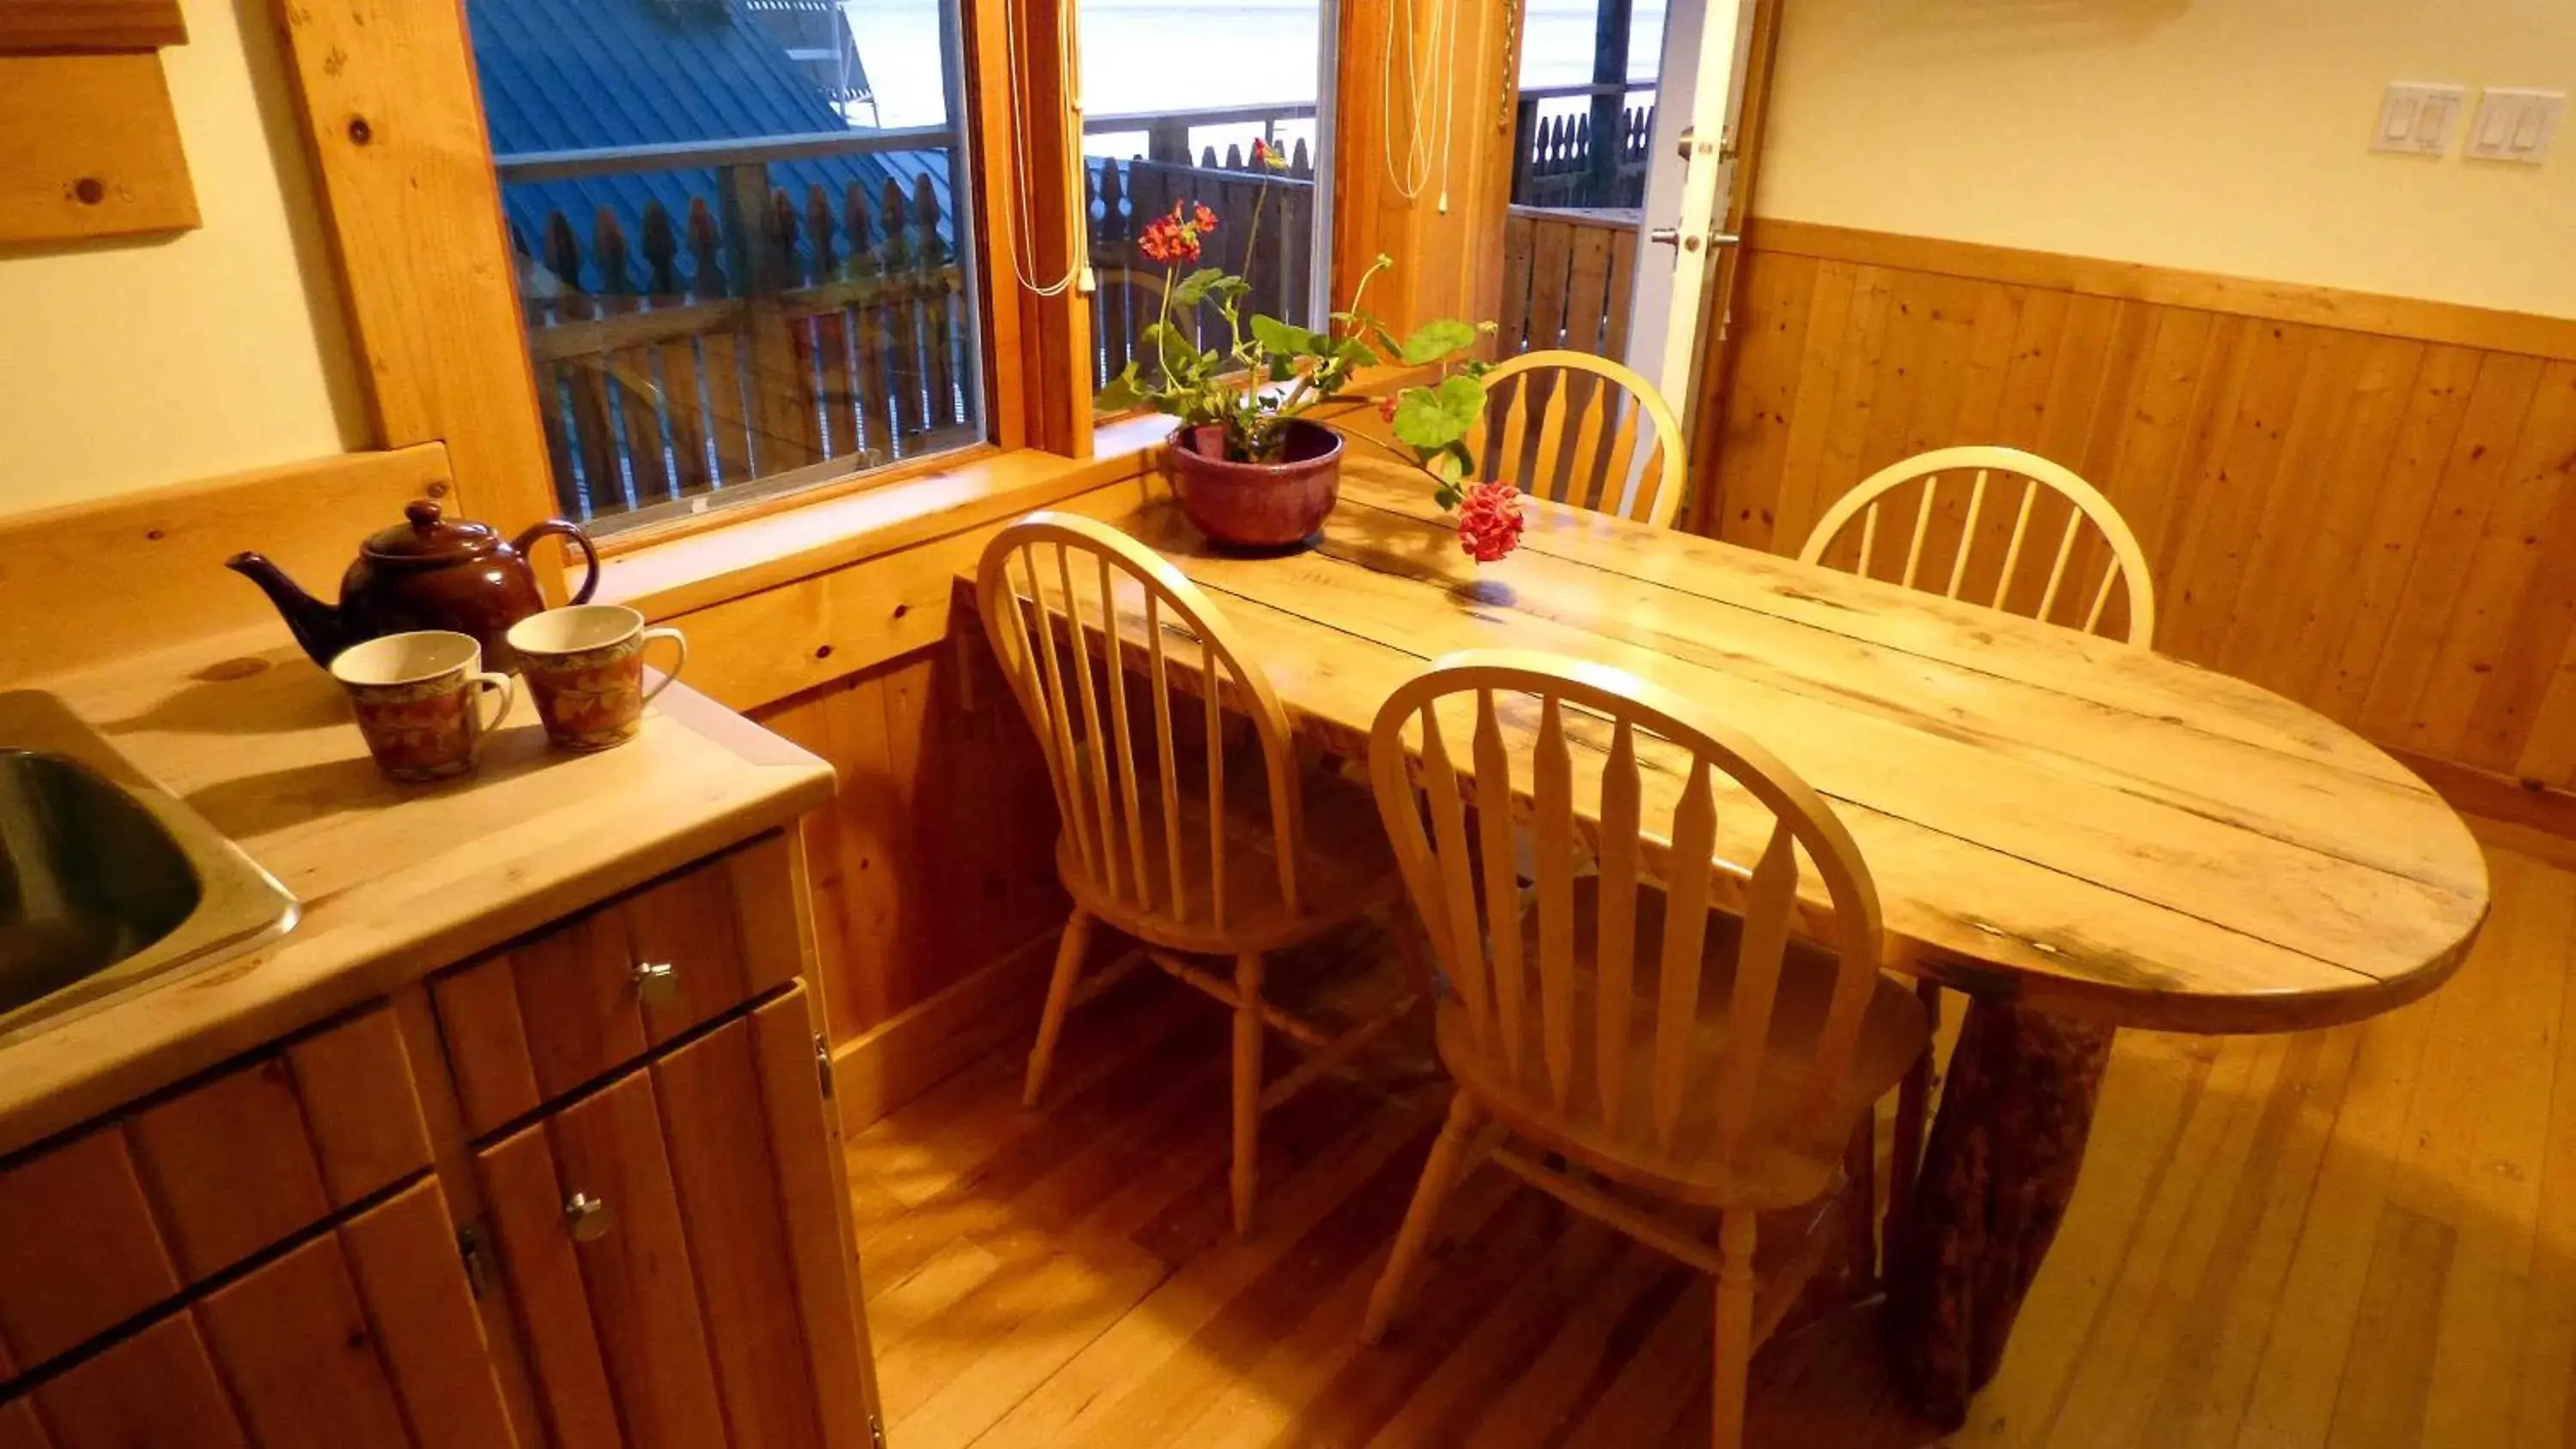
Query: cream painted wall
{"type": "Point", "coordinates": [2218, 135]}
{"type": "Point", "coordinates": [129, 365]}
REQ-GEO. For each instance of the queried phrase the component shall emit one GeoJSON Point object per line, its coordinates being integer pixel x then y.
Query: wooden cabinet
{"type": "Point", "coordinates": [626, 1112]}
{"type": "Point", "coordinates": [673, 1244]}
{"type": "Point", "coordinates": [363, 1336]}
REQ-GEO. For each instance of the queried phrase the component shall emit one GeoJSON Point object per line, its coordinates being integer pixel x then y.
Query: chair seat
{"type": "Point", "coordinates": [1348, 870]}
{"type": "Point", "coordinates": [1773, 1168]}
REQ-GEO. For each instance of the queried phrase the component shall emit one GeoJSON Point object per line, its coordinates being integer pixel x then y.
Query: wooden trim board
{"type": "Point", "coordinates": [2485, 795]}
{"type": "Point", "coordinates": [892, 1063]}
{"type": "Point", "coordinates": [89, 147]}
{"type": "Point", "coordinates": [387, 98]}
{"type": "Point", "coordinates": [146, 569]}
{"type": "Point", "coordinates": [36, 26]}
{"type": "Point", "coordinates": [2424, 321]}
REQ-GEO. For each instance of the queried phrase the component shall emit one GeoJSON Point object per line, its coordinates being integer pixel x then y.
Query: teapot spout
{"type": "Point", "coordinates": [322, 629]}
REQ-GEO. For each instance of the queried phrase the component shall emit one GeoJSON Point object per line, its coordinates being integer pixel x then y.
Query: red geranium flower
{"type": "Point", "coordinates": [1167, 241]}
{"type": "Point", "coordinates": [1386, 407]}
{"type": "Point", "coordinates": [1202, 219]}
{"type": "Point", "coordinates": [1489, 521]}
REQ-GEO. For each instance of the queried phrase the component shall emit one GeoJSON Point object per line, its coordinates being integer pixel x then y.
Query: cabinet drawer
{"type": "Point", "coordinates": [365, 1336]}
{"type": "Point", "coordinates": [596, 992]}
{"type": "Point", "coordinates": [129, 1213]}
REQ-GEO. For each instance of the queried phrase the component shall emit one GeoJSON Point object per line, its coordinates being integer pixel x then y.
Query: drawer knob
{"type": "Point", "coordinates": [587, 1217]}
{"type": "Point", "coordinates": [656, 984]}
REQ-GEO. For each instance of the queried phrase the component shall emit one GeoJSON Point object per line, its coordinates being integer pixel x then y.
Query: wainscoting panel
{"type": "Point", "coordinates": [2363, 503]}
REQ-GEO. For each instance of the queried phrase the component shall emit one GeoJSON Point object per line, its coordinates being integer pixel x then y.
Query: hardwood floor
{"type": "Point", "coordinates": [2361, 1236]}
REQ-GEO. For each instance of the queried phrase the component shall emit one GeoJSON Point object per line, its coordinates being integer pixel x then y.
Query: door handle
{"type": "Point", "coordinates": [1666, 236]}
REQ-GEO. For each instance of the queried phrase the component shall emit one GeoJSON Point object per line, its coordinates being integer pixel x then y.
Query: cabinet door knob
{"type": "Point", "coordinates": [587, 1217]}
{"type": "Point", "coordinates": [656, 983]}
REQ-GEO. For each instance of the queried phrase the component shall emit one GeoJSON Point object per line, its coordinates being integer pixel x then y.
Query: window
{"type": "Point", "coordinates": [1170, 119]}
{"type": "Point", "coordinates": [741, 229]}
{"type": "Point", "coordinates": [1587, 102]}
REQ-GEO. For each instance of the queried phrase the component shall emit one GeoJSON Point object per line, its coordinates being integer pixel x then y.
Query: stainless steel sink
{"type": "Point", "coordinates": [108, 883]}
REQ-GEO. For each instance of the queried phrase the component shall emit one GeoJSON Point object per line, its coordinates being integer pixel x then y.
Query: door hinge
{"type": "Point", "coordinates": [823, 1069]}
{"type": "Point", "coordinates": [876, 1432]}
{"type": "Point", "coordinates": [469, 1248]}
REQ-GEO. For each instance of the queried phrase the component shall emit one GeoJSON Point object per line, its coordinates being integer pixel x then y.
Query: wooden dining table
{"type": "Point", "coordinates": [2078, 833]}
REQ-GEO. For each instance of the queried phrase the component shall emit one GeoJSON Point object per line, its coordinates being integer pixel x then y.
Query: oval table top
{"type": "Point", "coordinates": [2051, 817]}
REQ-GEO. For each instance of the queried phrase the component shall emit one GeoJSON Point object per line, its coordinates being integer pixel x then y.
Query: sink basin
{"type": "Point", "coordinates": [108, 883]}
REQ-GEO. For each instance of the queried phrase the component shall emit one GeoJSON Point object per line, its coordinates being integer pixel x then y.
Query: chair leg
{"type": "Point", "coordinates": [1439, 1175]}
{"type": "Point", "coordinates": [1059, 1000]}
{"type": "Point", "coordinates": [1247, 1087]}
{"type": "Point", "coordinates": [1913, 1110]}
{"type": "Point", "coordinates": [1734, 1347]}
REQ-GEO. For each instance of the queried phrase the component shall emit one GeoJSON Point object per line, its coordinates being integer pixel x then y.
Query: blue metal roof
{"type": "Point", "coordinates": [562, 75]}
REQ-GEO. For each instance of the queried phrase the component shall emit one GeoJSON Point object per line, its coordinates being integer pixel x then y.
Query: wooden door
{"type": "Point", "coordinates": [676, 1246]}
{"type": "Point", "coordinates": [364, 1336]}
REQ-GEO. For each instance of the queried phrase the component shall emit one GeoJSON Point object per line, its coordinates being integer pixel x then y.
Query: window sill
{"type": "Point", "coordinates": [712, 565]}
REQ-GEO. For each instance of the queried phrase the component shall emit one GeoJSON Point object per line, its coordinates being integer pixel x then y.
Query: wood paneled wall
{"type": "Point", "coordinates": [2363, 503]}
{"type": "Point", "coordinates": [936, 859]}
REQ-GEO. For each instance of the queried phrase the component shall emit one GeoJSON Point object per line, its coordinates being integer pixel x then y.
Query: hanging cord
{"type": "Point", "coordinates": [1420, 145]}
{"type": "Point", "coordinates": [1449, 101]}
{"type": "Point", "coordinates": [1024, 244]}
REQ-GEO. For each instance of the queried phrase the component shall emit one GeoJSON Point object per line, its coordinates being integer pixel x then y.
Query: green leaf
{"type": "Point", "coordinates": [1188, 290]}
{"type": "Point", "coordinates": [1352, 352]}
{"type": "Point", "coordinates": [1286, 339]}
{"type": "Point", "coordinates": [1435, 340]}
{"type": "Point", "coordinates": [1120, 395]}
{"type": "Point", "coordinates": [1431, 418]}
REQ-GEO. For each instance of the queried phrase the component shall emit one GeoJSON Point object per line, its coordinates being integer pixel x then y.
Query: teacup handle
{"type": "Point", "coordinates": [483, 686]}
{"type": "Point", "coordinates": [679, 658]}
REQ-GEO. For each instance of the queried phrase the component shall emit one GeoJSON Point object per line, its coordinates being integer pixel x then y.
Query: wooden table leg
{"type": "Point", "coordinates": [1995, 1181]}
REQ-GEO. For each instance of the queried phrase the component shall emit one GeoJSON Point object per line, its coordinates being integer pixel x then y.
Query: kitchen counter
{"type": "Point", "coordinates": [395, 881]}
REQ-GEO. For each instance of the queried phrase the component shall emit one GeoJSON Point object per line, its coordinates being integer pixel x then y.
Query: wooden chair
{"type": "Point", "coordinates": [2126, 565]}
{"type": "Point", "coordinates": [2011, 589]}
{"type": "Point", "coordinates": [1649, 1022]}
{"type": "Point", "coordinates": [1208, 868]}
{"type": "Point", "coordinates": [1570, 427]}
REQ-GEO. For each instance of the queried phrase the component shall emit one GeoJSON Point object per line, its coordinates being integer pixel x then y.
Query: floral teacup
{"type": "Point", "coordinates": [418, 698]}
{"type": "Point", "coordinates": [585, 667]}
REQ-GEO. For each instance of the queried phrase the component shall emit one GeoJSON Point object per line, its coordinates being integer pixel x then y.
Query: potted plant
{"type": "Point", "coordinates": [1251, 467]}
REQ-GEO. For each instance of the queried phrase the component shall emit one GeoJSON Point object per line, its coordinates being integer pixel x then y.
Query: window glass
{"type": "Point", "coordinates": [1565, 104]}
{"type": "Point", "coordinates": [1170, 120]}
{"type": "Point", "coordinates": [741, 230]}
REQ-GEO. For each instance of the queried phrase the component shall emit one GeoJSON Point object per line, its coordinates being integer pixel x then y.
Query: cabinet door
{"type": "Point", "coordinates": [677, 1246]}
{"type": "Point", "coordinates": [814, 1204]}
{"type": "Point", "coordinates": [367, 1335]}
{"type": "Point", "coordinates": [599, 1267]}
{"type": "Point", "coordinates": [364, 1336]}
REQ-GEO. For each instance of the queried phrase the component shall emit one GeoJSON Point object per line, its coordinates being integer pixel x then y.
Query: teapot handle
{"type": "Point", "coordinates": [572, 534]}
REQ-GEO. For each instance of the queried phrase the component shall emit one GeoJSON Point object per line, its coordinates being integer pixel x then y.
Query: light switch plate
{"type": "Point", "coordinates": [2515, 125]}
{"type": "Point", "coordinates": [2415, 118]}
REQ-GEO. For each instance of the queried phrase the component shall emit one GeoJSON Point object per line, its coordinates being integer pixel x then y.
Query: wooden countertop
{"type": "Point", "coordinates": [395, 881]}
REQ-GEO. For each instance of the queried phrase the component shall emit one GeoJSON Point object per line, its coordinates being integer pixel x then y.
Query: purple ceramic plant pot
{"type": "Point", "coordinates": [1258, 505]}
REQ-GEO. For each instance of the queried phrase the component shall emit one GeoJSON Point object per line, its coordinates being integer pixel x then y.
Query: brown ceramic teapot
{"type": "Point", "coordinates": [426, 573]}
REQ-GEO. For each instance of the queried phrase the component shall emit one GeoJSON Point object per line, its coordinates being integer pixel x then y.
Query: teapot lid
{"type": "Point", "coordinates": [427, 537]}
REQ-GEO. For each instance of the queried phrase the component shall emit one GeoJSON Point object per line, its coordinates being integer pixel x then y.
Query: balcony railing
{"type": "Point", "coordinates": [1558, 161]}
{"type": "Point", "coordinates": [1567, 276]}
{"type": "Point", "coordinates": [759, 338]}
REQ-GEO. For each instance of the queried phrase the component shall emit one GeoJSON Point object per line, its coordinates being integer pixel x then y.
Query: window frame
{"type": "Point", "coordinates": [392, 118]}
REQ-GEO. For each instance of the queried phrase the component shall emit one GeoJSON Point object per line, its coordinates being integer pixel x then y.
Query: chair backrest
{"type": "Point", "coordinates": [1681, 801]}
{"type": "Point", "coordinates": [2093, 536]}
{"type": "Point", "coordinates": [1580, 429]}
{"type": "Point", "coordinates": [1071, 605]}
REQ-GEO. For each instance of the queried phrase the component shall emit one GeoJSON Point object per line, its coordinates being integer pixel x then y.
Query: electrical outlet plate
{"type": "Point", "coordinates": [2415, 118]}
{"type": "Point", "coordinates": [2515, 125]}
